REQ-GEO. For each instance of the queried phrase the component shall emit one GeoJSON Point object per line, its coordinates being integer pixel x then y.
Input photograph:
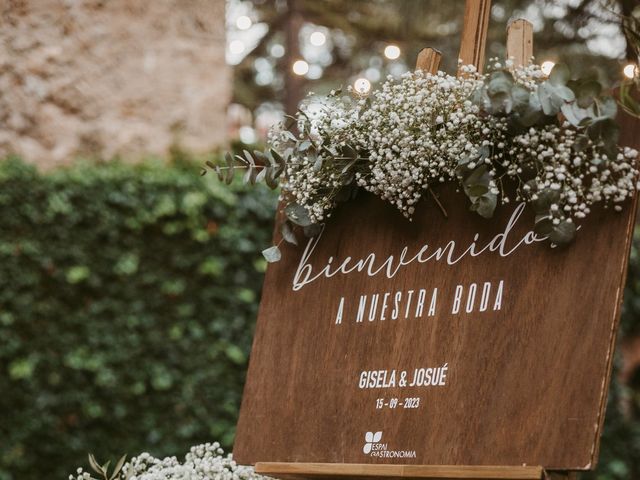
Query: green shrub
{"type": "Point", "coordinates": [128, 295]}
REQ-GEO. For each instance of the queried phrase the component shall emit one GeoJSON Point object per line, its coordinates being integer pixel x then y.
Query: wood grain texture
{"type": "Point", "coordinates": [526, 385]}
{"type": "Point", "coordinates": [520, 42]}
{"type": "Point", "coordinates": [357, 471]}
{"type": "Point", "coordinates": [428, 60]}
{"type": "Point", "coordinates": [474, 33]}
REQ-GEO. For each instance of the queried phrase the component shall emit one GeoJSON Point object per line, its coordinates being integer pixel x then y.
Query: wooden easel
{"type": "Point", "coordinates": [472, 52]}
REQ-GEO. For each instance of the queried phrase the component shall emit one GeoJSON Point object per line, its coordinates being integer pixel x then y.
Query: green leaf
{"type": "Point", "coordinates": [563, 233]}
{"type": "Point", "coordinates": [288, 234]}
{"type": "Point", "coordinates": [499, 82]}
{"type": "Point", "coordinates": [520, 97]}
{"type": "Point", "coordinates": [272, 254]}
{"type": "Point", "coordinates": [229, 174]}
{"type": "Point", "coordinates": [297, 214]}
{"type": "Point", "coordinates": [304, 146]}
{"type": "Point", "coordinates": [485, 205]}
{"type": "Point", "coordinates": [118, 467]}
{"type": "Point", "coordinates": [553, 96]}
{"type": "Point", "coordinates": [574, 114]}
{"type": "Point", "coordinates": [543, 225]}
{"type": "Point", "coordinates": [607, 107]}
{"type": "Point", "coordinates": [581, 143]}
{"type": "Point", "coordinates": [312, 230]}
{"type": "Point", "coordinates": [586, 92]}
{"type": "Point", "coordinates": [94, 464]}
{"type": "Point", "coordinates": [545, 198]}
{"type": "Point", "coordinates": [270, 178]}
{"type": "Point", "coordinates": [560, 74]}
{"type": "Point", "coordinates": [477, 182]}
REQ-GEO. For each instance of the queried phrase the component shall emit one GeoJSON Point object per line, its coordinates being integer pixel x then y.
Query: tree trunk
{"type": "Point", "coordinates": [293, 83]}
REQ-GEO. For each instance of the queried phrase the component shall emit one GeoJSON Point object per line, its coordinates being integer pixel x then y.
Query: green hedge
{"type": "Point", "coordinates": [128, 295]}
{"type": "Point", "coordinates": [127, 302]}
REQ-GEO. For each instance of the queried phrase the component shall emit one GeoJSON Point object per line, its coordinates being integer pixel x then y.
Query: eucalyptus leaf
{"type": "Point", "coordinates": [249, 176]}
{"type": "Point", "coordinates": [261, 175]}
{"type": "Point", "coordinates": [485, 205]}
{"type": "Point", "coordinates": [118, 467]}
{"type": "Point", "coordinates": [563, 233]}
{"type": "Point", "coordinates": [543, 225]}
{"type": "Point", "coordinates": [249, 158]}
{"type": "Point", "coordinates": [545, 198]}
{"type": "Point", "coordinates": [520, 97]}
{"type": "Point", "coordinates": [586, 92]}
{"type": "Point", "coordinates": [261, 157]}
{"type": "Point", "coordinates": [313, 230]}
{"type": "Point", "coordinates": [479, 177]}
{"type": "Point", "coordinates": [94, 463]}
{"type": "Point", "coordinates": [576, 115]}
{"type": "Point", "coordinates": [270, 178]}
{"type": "Point", "coordinates": [272, 254]}
{"type": "Point", "coordinates": [297, 214]}
{"type": "Point", "coordinates": [229, 174]}
{"type": "Point", "coordinates": [304, 146]}
{"type": "Point", "coordinates": [607, 107]}
{"type": "Point", "coordinates": [560, 74]}
{"type": "Point", "coordinates": [288, 234]}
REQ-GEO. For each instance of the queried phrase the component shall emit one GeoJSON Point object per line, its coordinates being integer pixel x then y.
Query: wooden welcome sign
{"type": "Point", "coordinates": [444, 347]}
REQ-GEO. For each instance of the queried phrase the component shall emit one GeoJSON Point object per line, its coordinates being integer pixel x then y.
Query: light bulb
{"type": "Point", "coordinates": [392, 52]}
{"type": "Point", "coordinates": [300, 67]}
{"type": "Point", "coordinates": [243, 22]}
{"type": "Point", "coordinates": [630, 70]}
{"type": "Point", "coordinates": [317, 39]}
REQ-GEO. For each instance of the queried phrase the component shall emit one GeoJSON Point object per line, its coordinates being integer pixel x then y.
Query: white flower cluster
{"type": "Point", "coordinates": [308, 181]}
{"type": "Point", "coordinates": [425, 129]}
{"type": "Point", "coordinates": [203, 462]}
{"type": "Point", "coordinates": [416, 132]}
{"type": "Point", "coordinates": [580, 176]}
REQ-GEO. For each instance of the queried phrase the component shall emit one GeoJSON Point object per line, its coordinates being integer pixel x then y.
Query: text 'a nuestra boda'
{"type": "Point", "coordinates": [423, 303]}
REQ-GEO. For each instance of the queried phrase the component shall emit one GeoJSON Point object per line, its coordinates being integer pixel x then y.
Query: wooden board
{"type": "Point", "coordinates": [527, 370]}
{"type": "Point", "coordinates": [364, 471]}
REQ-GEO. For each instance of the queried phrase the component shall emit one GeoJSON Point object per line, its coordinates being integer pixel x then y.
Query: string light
{"type": "Point", "coordinates": [547, 66]}
{"type": "Point", "coordinates": [243, 22]}
{"type": "Point", "coordinates": [362, 86]}
{"type": "Point", "coordinates": [277, 50]}
{"type": "Point", "coordinates": [630, 70]}
{"type": "Point", "coordinates": [236, 47]}
{"type": "Point", "coordinates": [392, 52]}
{"type": "Point", "coordinates": [300, 67]}
{"type": "Point", "coordinates": [317, 39]}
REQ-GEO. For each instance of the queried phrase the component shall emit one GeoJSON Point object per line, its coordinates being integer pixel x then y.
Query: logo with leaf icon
{"type": "Point", "coordinates": [370, 439]}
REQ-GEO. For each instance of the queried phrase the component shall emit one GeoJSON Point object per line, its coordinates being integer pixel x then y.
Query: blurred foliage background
{"type": "Point", "coordinates": [128, 293]}
{"type": "Point", "coordinates": [342, 41]}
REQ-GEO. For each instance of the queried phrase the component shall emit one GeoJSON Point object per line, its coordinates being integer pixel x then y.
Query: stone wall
{"type": "Point", "coordinates": [108, 77]}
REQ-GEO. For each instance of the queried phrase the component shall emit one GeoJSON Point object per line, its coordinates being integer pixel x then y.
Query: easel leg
{"type": "Point", "coordinates": [561, 476]}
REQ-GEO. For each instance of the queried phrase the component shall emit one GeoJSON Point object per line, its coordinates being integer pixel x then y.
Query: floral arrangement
{"type": "Point", "coordinates": [203, 462]}
{"type": "Point", "coordinates": [512, 134]}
